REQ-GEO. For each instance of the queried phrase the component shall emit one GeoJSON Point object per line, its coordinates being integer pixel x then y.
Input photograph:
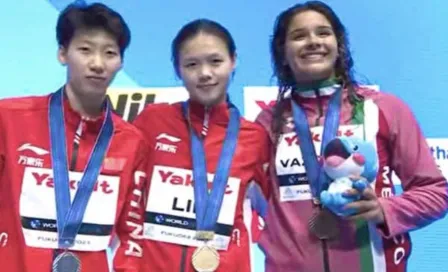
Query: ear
{"type": "Point", "coordinates": [62, 55]}
{"type": "Point", "coordinates": [234, 61]}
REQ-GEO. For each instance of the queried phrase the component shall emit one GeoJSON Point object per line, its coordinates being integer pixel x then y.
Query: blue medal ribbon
{"type": "Point", "coordinates": [208, 206]}
{"type": "Point", "coordinates": [317, 178]}
{"type": "Point", "coordinates": [70, 215]}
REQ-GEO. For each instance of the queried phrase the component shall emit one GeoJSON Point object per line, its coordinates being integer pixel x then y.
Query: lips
{"type": "Point", "coordinates": [96, 79]}
{"type": "Point", "coordinates": [207, 86]}
{"type": "Point", "coordinates": [313, 55]}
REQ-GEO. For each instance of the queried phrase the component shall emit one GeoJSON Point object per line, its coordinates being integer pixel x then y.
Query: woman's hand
{"type": "Point", "coordinates": [368, 207]}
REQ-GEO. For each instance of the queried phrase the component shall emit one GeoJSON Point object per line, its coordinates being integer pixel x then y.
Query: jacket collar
{"type": "Point", "coordinates": [320, 88]}
{"type": "Point", "coordinates": [217, 114]}
{"type": "Point", "coordinates": [73, 118]}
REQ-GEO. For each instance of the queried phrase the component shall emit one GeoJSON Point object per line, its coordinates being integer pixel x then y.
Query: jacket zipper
{"type": "Point", "coordinates": [317, 123]}
{"type": "Point", "coordinates": [76, 143]}
{"type": "Point", "coordinates": [183, 258]}
{"type": "Point", "coordinates": [204, 130]}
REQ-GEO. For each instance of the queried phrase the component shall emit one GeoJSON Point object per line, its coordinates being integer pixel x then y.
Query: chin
{"type": "Point", "coordinates": [318, 74]}
{"type": "Point", "coordinates": [209, 100]}
{"type": "Point", "coordinates": [96, 93]}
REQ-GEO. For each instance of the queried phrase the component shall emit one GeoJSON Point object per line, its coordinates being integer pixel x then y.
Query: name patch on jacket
{"type": "Point", "coordinates": [170, 213]}
{"type": "Point", "coordinates": [38, 210]}
{"type": "Point", "coordinates": [291, 174]}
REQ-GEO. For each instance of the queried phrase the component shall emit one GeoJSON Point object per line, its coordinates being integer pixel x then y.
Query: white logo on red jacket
{"type": "Point", "coordinates": [31, 161]}
{"type": "Point", "coordinates": [166, 147]}
{"type": "Point", "coordinates": [133, 248]}
{"type": "Point", "coordinates": [3, 239]}
{"type": "Point", "coordinates": [39, 151]}
{"type": "Point", "coordinates": [168, 137]}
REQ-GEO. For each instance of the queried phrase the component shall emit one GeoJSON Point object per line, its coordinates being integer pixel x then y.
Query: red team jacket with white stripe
{"type": "Point", "coordinates": [169, 227]}
{"type": "Point", "coordinates": [27, 200]}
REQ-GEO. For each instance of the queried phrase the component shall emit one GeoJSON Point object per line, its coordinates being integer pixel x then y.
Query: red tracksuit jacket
{"type": "Point", "coordinates": [27, 202]}
{"type": "Point", "coordinates": [169, 243]}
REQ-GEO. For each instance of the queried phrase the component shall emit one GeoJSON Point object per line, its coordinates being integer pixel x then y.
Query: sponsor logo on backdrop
{"type": "Point", "coordinates": [439, 151]}
{"type": "Point", "coordinates": [129, 102]}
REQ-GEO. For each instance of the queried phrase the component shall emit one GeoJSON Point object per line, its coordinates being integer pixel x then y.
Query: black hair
{"type": "Point", "coordinates": [194, 28]}
{"type": "Point", "coordinates": [80, 16]}
{"type": "Point", "coordinates": [284, 74]}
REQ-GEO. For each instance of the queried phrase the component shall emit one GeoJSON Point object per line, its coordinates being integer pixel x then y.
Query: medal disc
{"type": "Point", "coordinates": [324, 225]}
{"type": "Point", "coordinates": [66, 262]}
{"type": "Point", "coordinates": [205, 259]}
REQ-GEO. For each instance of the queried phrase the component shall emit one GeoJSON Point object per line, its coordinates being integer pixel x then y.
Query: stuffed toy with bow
{"type": "Point", "coordinates": [343, 159]}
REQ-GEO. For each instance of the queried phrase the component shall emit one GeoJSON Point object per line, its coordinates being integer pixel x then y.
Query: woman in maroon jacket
{"type": "Point", "coordinates": [318, 100]}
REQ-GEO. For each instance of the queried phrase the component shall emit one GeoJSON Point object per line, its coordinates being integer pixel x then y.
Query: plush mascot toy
{"type": "Point", "coordinates": [346, 157]}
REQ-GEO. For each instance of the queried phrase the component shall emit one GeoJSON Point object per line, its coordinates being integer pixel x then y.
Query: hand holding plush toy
{"type": "Point", "coordinates": [345, 158]}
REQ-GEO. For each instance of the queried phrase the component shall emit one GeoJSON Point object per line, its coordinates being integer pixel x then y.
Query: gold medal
{"type": "Point", "coordinates": [324, 225]}
{"type": "Point", "coordinates": [205, 259]}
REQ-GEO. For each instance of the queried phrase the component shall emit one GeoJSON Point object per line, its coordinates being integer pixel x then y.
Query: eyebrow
{"type": "Point", "coordinates": [93, 44]}
{"type": "Point", "coordinates": [193, 58]}
{"type": "Point", "coordinates": [303, 29]}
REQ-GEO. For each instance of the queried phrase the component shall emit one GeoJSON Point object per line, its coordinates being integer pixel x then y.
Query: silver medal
{"type": "Point", "coordinates": [66, 262]}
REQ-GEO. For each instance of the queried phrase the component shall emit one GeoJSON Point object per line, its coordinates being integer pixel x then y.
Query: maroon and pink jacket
{"type": "Point", "coordinates": [362, 246]}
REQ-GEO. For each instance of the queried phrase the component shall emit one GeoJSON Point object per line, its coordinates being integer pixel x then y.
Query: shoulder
{"type": "Point", "coordinates": [393, 110]}
{"type": "Point", "coordinates": [383, 99]}
{"type": "Point", "coordinates": [153, 112]}
{"type": "Point", "coordinates": [131, 136]}
{"type": "Point", "coordinates": [26, 103]}
{"type": "Point", "coordinates": [255, 133]}
{"type": "Point", "coordinates": [254, 127]}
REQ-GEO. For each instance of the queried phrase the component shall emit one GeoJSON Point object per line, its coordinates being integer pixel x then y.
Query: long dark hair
{"type": "Point", "coordinates": [284, 74]}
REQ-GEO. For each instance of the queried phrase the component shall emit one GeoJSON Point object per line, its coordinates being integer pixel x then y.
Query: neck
{"type": "Point", "coordinates": [315, 85]}
{"type": "Point", "coordinates": [88, 107]}
{"type": "Point", "coordinates": [210, 104]}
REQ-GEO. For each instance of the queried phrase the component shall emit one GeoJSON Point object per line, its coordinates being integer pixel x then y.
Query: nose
{"type": "Point", "coordinates": [313, 40]}
{"type": "Point", "coordinates": [205, 73]}
{"type": "Point", "coordinates": [97, 63]}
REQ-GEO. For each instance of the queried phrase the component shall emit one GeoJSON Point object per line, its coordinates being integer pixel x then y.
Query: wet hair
{"type": "Point", "coordinates": [194, 28]}
{"type": "Point", "coordinates": [80, 16]}
{"type": "Point", "coordinates": [283, 73]}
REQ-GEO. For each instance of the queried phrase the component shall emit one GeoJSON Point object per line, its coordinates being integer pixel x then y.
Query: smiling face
{"type": "Point", "coordinates": [205, 67]}
{"type": "Point", "coordinates": [92, 59]}
{"type": "Point", "coordinates": [311, 48]}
